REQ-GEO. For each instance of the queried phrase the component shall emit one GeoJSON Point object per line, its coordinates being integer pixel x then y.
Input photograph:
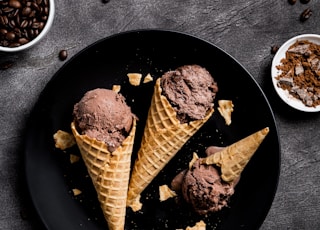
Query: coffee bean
{"type": "Point", "coordinates": [305, 15]}
{"type": "Point", "coordinates": [105, 1]}
{"type": "Point", "coordinates": [14, 44]}
{"type": "Point", "coordinates": [21, 20]}
{"type": "Point", "coordinates": [23, 41]}
{"type": "Point", "coordinates": [15, 4]}
{"type": "Point", "coordinates": [12, 24]}
{"type": "Point", "coordinates": [35, 25]}
{"type": "Point", "coordinates": [24, 24]}
{"type": "Point", "coordinates": [26, 11]}
{"type": "Point", "coordinates": [304, 1]}
{"type": "Point", "coordinates": [4, 20]}
{"type": "Point", "coordinates": [7, 9]}
{"type": "Point", "coordinates": [274, 49]}
{"type": "Point", "coordinates": [46, 11]}
{"type": "Point", "coordinates": [35, 6]}
{"type": "Point", "coordinates": [3, 31]}
{"type": "Point", "coordinates": [10, 36]}
{"type": "Point", "coordinates": [31, 34]}
{"type": "Point", "coordinates": [6, 65]}
{"type": "Point", "coordinates": [292, 2]}
{"type": "Point", "coordinates": [36, 32]}
{"type": "Point", "coordinates": [17, 32]}
{"type": "Point", "coordinates": [63, 54]}
{"type": "Point", "coordinates": [32, 14]}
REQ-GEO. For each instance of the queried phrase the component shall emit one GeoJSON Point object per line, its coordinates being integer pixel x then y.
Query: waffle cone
{"type": "Point", "coordinates": [233, 159]}
{"type": "Point", "coordinates": [163, 137]}
{"type": "Point", "coordinates": [109, 173]}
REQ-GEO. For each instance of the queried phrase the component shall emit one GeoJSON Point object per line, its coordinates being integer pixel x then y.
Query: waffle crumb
{"type": "Point", "coordinates": [201, 225]}
{"type": "Point", "coordinates": [116, 88]}
{"type": "Point", "coordinates": [166, 193]}
{"type": "Point", "coordinates": [148, 78]}
{"type": "Point", "coordinates": [63, 140]}
{"type": "Point", "coordinates": [76, 192]}
{"type": "Point", "coordinates": [195, 157]}
{"type": "Point", "coordinates": [74, 158]}
{"type": "Point", "coordinates": [225, 109]}
{"type": "Point", "coordinates": [134, 78]}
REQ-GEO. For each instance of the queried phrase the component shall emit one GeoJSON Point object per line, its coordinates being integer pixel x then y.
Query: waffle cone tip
{"type": "Point", "coordinates": [233, 159]}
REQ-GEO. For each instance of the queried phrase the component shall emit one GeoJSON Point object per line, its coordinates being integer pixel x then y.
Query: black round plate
{"type": "Point", "coordinates": [51, 177]}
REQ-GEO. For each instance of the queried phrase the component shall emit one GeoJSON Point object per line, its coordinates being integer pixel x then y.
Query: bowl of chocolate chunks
{"type": "Point", "coordinates": [23, 23]}
{"type": "Point", "coordinates": [295, 72]}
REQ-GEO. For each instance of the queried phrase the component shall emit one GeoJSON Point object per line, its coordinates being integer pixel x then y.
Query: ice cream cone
{"type": "Point", "coordinates": [163, 137]}
{"type": "Point", "coordinates": [109, 172]}
{"type": "Point", "coordinates": [235, 157]}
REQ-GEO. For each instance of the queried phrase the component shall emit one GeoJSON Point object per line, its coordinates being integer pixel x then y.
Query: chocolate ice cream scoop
{"type": "Point", "coordinates": [203, 188]}
{"type": "Point", "coordinates": [104, 115]}
{"type": "Point", "coordinates": [191, 90]}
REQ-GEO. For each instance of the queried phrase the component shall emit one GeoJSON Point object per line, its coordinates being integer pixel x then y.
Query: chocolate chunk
{"type": "Point", "coordinates": [300, 49]}
{"type": "Point", "coordinates": [298, 69]}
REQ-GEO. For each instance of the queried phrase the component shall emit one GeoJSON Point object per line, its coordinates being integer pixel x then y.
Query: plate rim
{"type": "Point", "coordinates": [56, 75]}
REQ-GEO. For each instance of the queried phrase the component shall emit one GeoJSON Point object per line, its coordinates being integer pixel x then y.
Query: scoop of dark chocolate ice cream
{"type": "Point", "coordinates": [203, 188]}
{"type": "Point", "coordinates": [191, 91]}
{"type": "Point", "coordinates": [104, 115]}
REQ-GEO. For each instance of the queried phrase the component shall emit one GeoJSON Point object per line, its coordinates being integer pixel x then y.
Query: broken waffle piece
{"type": "Point", "coordinates": [76, 192]}
{"type": "Point", "coordinates": [201, 225]}
{"type": "Point", "coordinates": [166, 193]}
{"type": "Point", "coordinates": [74, 158]}
{"type": "Point", "coordinates": [134, 78]}
{"type": "Point", "coordinates": [148, 78]}
{"type": "Point", "coordinates": [116, 88]}
{"type": "Point", "coordinates": [225, 109]}
{"type": "Point", "coordinates": [195, 157]}
{"type": "Point", "coordinates": [63, 140]}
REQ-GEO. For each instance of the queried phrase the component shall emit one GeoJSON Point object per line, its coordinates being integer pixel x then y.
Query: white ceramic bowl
{"type": "Point", "coordinates": [284, 94]}
{"type": "Point", "coordinates": [36, 40]}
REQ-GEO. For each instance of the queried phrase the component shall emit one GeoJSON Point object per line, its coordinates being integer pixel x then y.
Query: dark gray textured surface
{"type": "Point", "coordinates": [245, 29]}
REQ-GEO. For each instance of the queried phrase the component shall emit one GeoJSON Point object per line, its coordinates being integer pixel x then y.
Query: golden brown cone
{"type": "Point", "coordinates": [109, 173]}
{"type": "Point", "coordinates": [235, 157]}
{"type": "Point", "coordinates": [163, 137]}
